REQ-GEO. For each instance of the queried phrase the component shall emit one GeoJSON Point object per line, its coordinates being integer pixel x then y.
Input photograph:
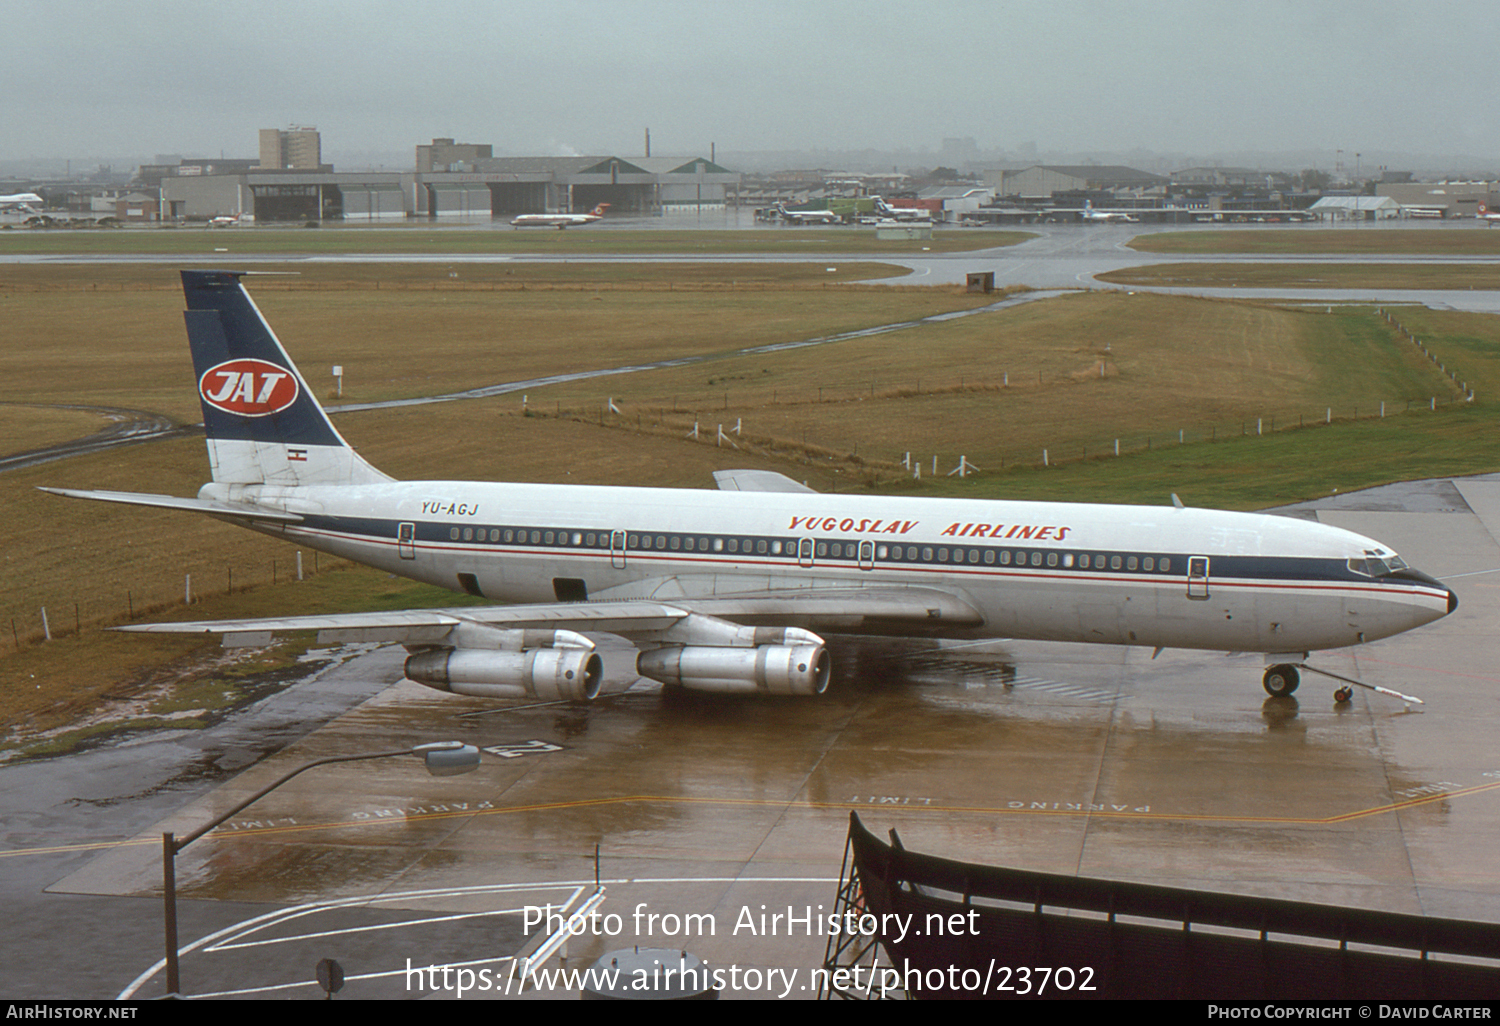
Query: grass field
{"type": "Point", "coordinates": [25, 427]}
{"type": "Point", "coordinates": [1467, 241]}
{"type": "Point", "coordinates": [1310, 276]}
{"type": "Point", "coordinates": [839, 415]}
{"type": "Point", "coordinates": [499, 240]}
{"type": "Point", "coordinates": [401, 332]}
{"type": "Point", "coordinates": [999, 388]}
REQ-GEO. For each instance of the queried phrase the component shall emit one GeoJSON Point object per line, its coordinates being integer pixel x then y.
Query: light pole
{"type": "Point", "coordinates": [442, 759]}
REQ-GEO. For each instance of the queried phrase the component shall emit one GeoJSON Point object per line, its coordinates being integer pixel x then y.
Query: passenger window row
{"type": "Point", "coordinates": [1024, 557]}
{"type": "Point", "coordinates": [839, 550]}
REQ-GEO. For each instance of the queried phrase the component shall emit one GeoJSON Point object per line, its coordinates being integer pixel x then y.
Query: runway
{"type": "Point", "coordinates": [1092, 760]}
{"type": "Point", "coordinates": [1057, 257]}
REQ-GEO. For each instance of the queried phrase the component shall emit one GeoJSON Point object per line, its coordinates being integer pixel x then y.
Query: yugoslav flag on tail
{"type": "Point", "coordinates": [263, 424]}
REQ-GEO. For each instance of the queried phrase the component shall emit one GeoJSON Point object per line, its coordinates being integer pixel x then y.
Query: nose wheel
{"type": "Point", "coordinates": [1281, 680]}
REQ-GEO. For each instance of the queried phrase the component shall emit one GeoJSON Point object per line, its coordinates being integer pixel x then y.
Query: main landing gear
{"type": "Point", "coordinates": [1281, 680]}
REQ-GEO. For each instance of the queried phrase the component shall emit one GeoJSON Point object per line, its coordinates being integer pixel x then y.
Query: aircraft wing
{"type": "Point", "coordinates": [431, 626]}
{"type": "Point", "coordinates": [212, 506]}
{"type": "Point", "coordinates": [897, 610]}
{"type": "Point", "coordinates": [757, 481]}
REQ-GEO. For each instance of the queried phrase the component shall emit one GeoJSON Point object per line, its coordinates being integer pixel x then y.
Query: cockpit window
{"type": "Point", "coordinates": [1375, 566]}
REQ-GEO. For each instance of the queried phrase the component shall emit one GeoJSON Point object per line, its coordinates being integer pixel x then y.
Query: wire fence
{"type": "Point", "coordinates": [153, 595]}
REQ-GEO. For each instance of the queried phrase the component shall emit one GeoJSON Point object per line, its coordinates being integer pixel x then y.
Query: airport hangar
{"type": "Point", "coordinates": [496, 187]}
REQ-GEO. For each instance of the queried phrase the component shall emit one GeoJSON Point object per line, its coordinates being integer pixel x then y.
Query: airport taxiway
{"type": "Point", "coordinates": [709, 811]}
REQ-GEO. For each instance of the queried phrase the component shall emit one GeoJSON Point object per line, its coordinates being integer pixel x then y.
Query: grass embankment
{"type": "Point", "coordinates": [839, 415]}
{"type": "Point", "coordinates": [498, 239]}
{"type": "Point", "coordinates": [1382, 276]}
{"type": "Point", "coordinates": [1069, 376]}
{"type": "Point", "coordinates": [1468, 241]}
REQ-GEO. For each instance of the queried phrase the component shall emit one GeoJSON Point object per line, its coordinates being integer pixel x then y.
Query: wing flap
{"type": "Point", "coordinates": [901, 609]}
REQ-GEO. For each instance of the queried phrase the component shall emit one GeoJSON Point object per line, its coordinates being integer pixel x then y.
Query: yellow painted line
{"type": "Point", "coordinates": [154, 841]}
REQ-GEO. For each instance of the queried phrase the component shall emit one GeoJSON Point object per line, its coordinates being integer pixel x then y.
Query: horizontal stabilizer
{"type": "Point", "coordinates": [213, 507]}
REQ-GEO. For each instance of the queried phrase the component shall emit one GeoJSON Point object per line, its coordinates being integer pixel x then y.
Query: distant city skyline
{"type": "Point", "coordinates": [1188, 78]}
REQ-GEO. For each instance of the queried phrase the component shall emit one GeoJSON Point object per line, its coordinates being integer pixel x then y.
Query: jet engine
{"type": "Point", "coordinates": [548, 674]}
{"type": "Point", "coordinates": [764, 669]}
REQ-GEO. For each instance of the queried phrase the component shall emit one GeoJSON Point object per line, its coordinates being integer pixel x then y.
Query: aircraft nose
{"type": "Point", "coordinates": [1408, 574]}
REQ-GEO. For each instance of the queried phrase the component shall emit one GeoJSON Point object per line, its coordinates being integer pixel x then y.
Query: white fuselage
{"type": "Point", "coordinates": [552, 220]}
{"type": "Point", "coordinates": [1143, 575]}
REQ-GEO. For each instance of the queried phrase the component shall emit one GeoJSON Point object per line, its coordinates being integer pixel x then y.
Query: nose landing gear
{"type": "Point", "coordinates": [1285, 677]}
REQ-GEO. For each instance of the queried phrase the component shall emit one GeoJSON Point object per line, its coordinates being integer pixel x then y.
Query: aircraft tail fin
{"type": "Point", "coordinates": [263, 423]}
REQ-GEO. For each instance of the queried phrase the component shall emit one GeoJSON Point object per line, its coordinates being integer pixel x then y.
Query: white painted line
{"type": "Point", "coordinates": [256, 923]}
{"type": "Point", "coordinates": [362, 976]}
{"type": "Point", "coordinates": [232, 946]}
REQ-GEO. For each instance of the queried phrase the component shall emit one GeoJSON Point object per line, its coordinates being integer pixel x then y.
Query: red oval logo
{"type": "Point", "coordinates": [248, 387]}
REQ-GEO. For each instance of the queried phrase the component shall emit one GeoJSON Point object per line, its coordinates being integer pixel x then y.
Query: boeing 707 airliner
{"type": "Point", "coordinates": [728, 590]}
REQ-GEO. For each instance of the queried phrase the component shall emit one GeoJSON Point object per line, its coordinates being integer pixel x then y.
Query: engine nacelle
{"type": "Point", "coordinates": [765, 669]}
{"type": "Point", "coordinates": [548, 674]}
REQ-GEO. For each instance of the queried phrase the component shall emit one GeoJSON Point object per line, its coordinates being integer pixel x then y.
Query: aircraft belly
{"type": "Point", "coordinates": [1295, 619]}
{"type": "Point", "coordinates": [1228, 620]}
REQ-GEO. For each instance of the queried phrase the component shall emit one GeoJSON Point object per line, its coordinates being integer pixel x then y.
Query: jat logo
{"type": "Point", "coordinates": [250, 388]}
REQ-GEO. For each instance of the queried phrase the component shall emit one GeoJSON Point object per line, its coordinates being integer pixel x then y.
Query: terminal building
{"type": "Point", "coordinates": [450, 180]}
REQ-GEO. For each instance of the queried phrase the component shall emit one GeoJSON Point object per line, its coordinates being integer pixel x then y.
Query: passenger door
{"type": "Point", "coordinates": [1197, 579]}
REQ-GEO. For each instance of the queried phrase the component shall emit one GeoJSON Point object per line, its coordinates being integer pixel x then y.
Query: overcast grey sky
{"type": "Point", "coordinates": [587, 76]}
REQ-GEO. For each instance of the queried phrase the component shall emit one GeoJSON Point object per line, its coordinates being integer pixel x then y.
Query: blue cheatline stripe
{"type": "Point", "coordinates": [1227, 571]}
